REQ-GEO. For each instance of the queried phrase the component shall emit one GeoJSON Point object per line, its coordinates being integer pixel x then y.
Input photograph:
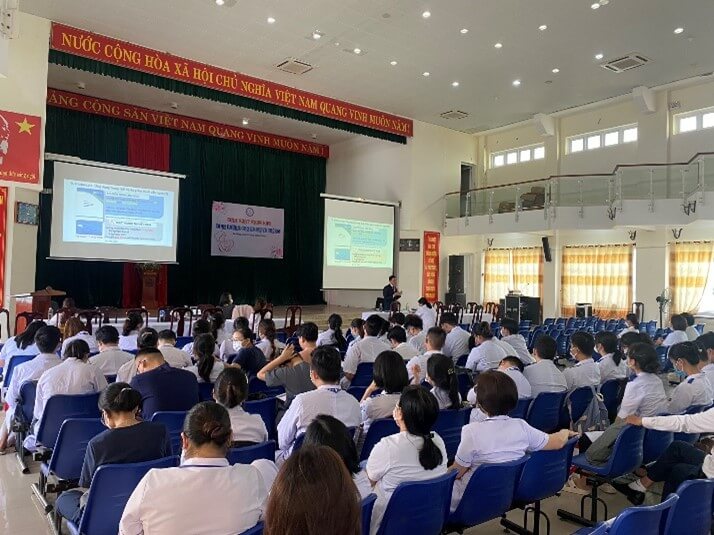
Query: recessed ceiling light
{"type": "Point", "coordinates": [245, 121]}
{"type": "Point", "coordinates": [426, 73]}
{"type": "Point", "coordinates": [599, 56]}
{"type": "Point", "coordinates": [678, 30]}
{"type": "Point", "coordinates": [220, 2]}
{"type": "Point", "coordinates": [426, 14]}
{"type": "Point", "coordinates": [516, 83]}
{"type": "Point", "coordinates": [498, 45]}
{"type": "Point", "coordinates": [393, 62]}
{"type": "Point", "coordinates": [357, 50]}
{"type": "Point", "coordinates": [543, 27]}
{"type": "Point", "coordinates": [316, 35]}
{"type": "Point", "coordinates": [596, 5]}
{"type": "Point", "coordinates": [271, 20]}
{"type": "Point", "coordinates": [604, 2]}
{"type": "Point", "coordinates": [464, 30]}
{"type": "Point", "coordinates": [555, 71]}
{"type": "Point", "coordinates": [454, 84]}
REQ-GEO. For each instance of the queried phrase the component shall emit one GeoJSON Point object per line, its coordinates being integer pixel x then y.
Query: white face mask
{"type": "Point", "coordinates": [237, 345]}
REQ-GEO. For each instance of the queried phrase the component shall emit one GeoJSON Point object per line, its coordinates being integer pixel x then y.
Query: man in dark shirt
{"type": "Point", "coordinates": [162, 387]}
{"type": "Point", "coordinates": [390, 293]}
{"type": "Point", "coordinates": [248, 357]}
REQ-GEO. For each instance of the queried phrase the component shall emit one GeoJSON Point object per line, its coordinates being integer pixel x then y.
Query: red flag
{"type": "Point", "coordinates": [20, 147]}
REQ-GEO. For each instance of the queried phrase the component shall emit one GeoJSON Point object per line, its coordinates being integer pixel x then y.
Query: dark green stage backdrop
{"type": "Point", "coordinates": [216, 170]}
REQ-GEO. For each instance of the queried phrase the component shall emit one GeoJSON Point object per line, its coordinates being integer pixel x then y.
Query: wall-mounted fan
{"type": "Point", "coordinates": [664, 299]}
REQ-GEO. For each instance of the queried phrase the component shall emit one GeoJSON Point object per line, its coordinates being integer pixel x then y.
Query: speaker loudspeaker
{"type": "Point", "coordinates": [644, 99]}
{"type": "Point", "coordinates": [546, 249]}
{"type": "Point", "coordinates": [544, 124]}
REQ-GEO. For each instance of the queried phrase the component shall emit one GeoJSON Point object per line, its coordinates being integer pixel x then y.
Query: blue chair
{"type": "Point", "coordinates": [544, 412]}
{"type": "Point", "coordinates": [563, 344]}
{"type": "Point", "coordinates": [23, 419]}
{"type": "Point", "coordinates": [521, 409]}
{"type": "Point", "coordinates": [644, 519]}
{"type": "Point", "coordinates": [625, 457]}
{"type": "Point", "coordinates": [267, 409]}
{"type": "Point", "coordinates": [367, 507]}
{"type": "Point", "coordinates": [255, 530]}
{"type": "Point", "coordinates": [173, 420]}
{"type": "Point", "coordinates": [378, 429]}
{"type": "Point", "coordinates": [543, 476]}
{"type": "Point", "coordinates": [418, 507]}
{"type": "Point", "coordinates": [663, 360]}
{"type": "Point", "coordinates": [111, 487]}
{"type": "Point", "coordinates": [183, 340]}
{"type": "Point", "coordinates": [248, 454]}
{"type": "Point", "coordinates": [692, 513]}
{"type": "Point", "coordinates": [466, 383]}
{"type": "Point", "coordinates": [357, 392]}
{"type": "Point", "coordinates": [488, 494]}
{"type": "Point", "coordinates": [448, 425]}
{"type": "Point", "coordinates": [60, 408]}
{"type": "Point", "coordinates": [111, 378]}
{"type": "Point", "coordinates": [612, 392]}
{"type": "Point", "coordinates": [654, 444]}
{"type": "Point", "coordinates": [363, 375]}
{"type": "Point", "coordinates": [15, 361]}
{"type": "Point", "coordinates": [255, 386]}
{"type": "Point", "coordinates": [205, 391]}
{"type": "Point", "coordinates": [461, 361]}
{"type": "Point", "coordinates": [691, 438]}
{"type": "Point", "coordinates": [579, 401]}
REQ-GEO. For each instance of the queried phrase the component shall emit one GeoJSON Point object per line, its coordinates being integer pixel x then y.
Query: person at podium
{"type": "Point", "coordinates": [390, 293]}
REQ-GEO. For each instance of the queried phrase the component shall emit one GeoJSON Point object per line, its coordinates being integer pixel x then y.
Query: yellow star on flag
{"type": "Point", "coordinates": [25, 126]}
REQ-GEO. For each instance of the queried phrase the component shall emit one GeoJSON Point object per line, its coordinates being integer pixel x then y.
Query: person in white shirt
{"type": "Point", "coordinates": [691, 331]}
{"type": "Point", "coordinates": [644, 395]}
{"type": "Point", "coordinates": [390, 376]}
{"type": "Point", "coordinates": [633, 325]}
{"type": "Point", "coordinates": [427, 313]}
{"type": "Point", "coordinates": [415, 453]}
{"type": "Point", "coordinates": [509, 335]}
{"type": "Point", "coordinates": [487, 355]}
{"type": "Point", "coordinates": [130, 331]}
{"type": "Point", "coordinates": [207, 367]}
{"type": "Point", "coordinates": [441, 375]}
{"type": "Point", "coordinates": [77, 330]}
{"type": "Point", "coordinates": [585, 372]}
{"type": "Point", "coordinates": [230, 347]}
{"type": "Point", "coordinates": [416, 335]}
{"type": "Point", "coordinates": [174, 357]}
{"type": "Point", "coordinates": [110, 358]}
{"type": "Point", "coordinates": [147, 338]}
{"type": "Point", "coordinates": [706, 344]}
{"type": "Point", "coordinates": [217, 322]}
{"type": "Point", "coordinates": [75, 375]}
{"type": "Point", "coordinates": [695, 389]}
{"type": "Point", "coordinates": [498, 438]}
{"type": "Point", "coordinates": [21, 344]}
{"type": "Point", "coordinates": [544, 375]}
{"type": "Point", "coordinates": [416, 367]}
{"type": "Point", "coordinates": [230, 391]}
{"type": "Point", "coordinates": [58, 319]}
{"type": "Point", "coordinates": [612, 363]}
{"type": "Point", "coordinates": [513, 367]}
{"type": "Point", "coordinates": [457, 340]}
{"type": "Point", "coordinates": [205, 494]}
{"type": "Point", "coordinates": [327, 398]}
{"type": "Point", "coordinates": [397, 337]}
{"type": "Point", "coordinates": [267, 342]}
{"type": "Point", "coordinates": [333, 335]}
{"type": "Point", "coordinates": [200, 327]}
{"type": "Point", "coordinates": [357, 330]}
{"type": "Point", "coordinates": [48, 342]}
{"type": "Point", "coordinates": [366, 350]}
{"type": "Point", "coordinates": [679, 333]}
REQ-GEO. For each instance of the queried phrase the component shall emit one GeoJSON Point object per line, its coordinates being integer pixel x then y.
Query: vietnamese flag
{"type": "Point", "coordinates": [20, 136]}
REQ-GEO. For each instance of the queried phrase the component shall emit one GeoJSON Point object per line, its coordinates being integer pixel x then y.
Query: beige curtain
{"type": "Point", "coordinates": [528, 270]}
{"type": "Point", "coordinates": [601, 275]}
{"type": "Point", "coordinates": [496, 274]}
{"type": "Point", "coordinates": [689, 264]}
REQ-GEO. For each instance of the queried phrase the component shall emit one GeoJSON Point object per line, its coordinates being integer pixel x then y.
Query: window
{"type": "Point", "coordinates": [708, 120]}
{"type": "Point", "coordinates": [688, 124]}
{"type": "Point", "coordinates": [696, 120]}
{"type": "Point", "coordinates": [603, 138]}
{"type": "Point", "coordinates": [498, 160]}
{"type": "Point", "coordinates": [512, 269]}
{"type": "Point", "coordinates": [518, 155]}
{"type": "Point", "coordinates": [525, 155]}
{"type": "Point", "coordinates": [511, 158]}
{"type": "Point", "coordinates": [539, 153]}
{"type": "Point", "coordinates": [690, 276]}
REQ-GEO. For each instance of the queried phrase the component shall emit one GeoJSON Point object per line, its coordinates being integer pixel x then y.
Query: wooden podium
{"type": "Point", "coordinates": [37, 301]}
{"type": "Point", "coordinates": [149, 278]}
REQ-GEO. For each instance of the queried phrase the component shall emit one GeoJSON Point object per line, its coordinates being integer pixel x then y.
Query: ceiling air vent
{"type": "Point", "coordinates": [294, 66]}
{"type": "Point", "coordinates": [454, 114]}
{"type": "Point", "coordinates": [625, 63]}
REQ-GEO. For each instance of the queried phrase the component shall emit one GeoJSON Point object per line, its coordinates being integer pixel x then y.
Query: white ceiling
{"type": "Point", "coordinates": [240, 39]}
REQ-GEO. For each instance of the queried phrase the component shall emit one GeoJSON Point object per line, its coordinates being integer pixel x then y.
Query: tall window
{"type": "Point", "coordinates": [689, 273]}
{"type": "Point", "coordinates": [601, 275]}
{"type": "Point", "coordinates": [512, 269]}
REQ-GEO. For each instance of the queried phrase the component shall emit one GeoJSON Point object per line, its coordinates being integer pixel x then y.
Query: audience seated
{"type": "Point", "coordinates": [174, 356]}
{"type": "Point", "coordinates": [357, 330]}
{"type": "Point", "coordinates": [679, 331]}
{"type": "Point", "coordinates": [390, 376]}
{"type": "Point", "coordinates": [128, 439]}
{"type": "Point", "coordinates": [706, 344]}
{"type": "Point", "coordinates": [230, 391]}
{"type": "Point", "coordinates": [457, 339]}
{"type": "Point", "coordinates": [130, 331]}
{"type": "Point", "coordinates": [441, 375]}
{"type": "Point", "coordinates": [67, 304]}
{"type": "Point", "coordinates": [75, 329]}
{"type": "Point", "coordinates": [200, 326]}
{"type": "Point", "coordinates": [327, 398]}
{"type": "Point", "coordinates": [543, 375]}
{"type": "Point", "coordinates": [612, 363]}
{"type": "Point", "coordinates": [162, 387]}
{"type": "Point", "coordinates": [217, 322]}
{"type": "Point", "coordinates": [366, 350]}
{"type": "Point", "coordinates": [229, 346]}
{"type": "Point", "coordinates": [205, 494]}
{"type": "Point", "coordinates": [513, 367]}
{"type": "Point", "coordinates": [259, 309]}
{"type": "Point", "coordinates": [267, 343]}
{"type": "Point", "coordinates": [416, 333]}
{"type": "Point", "coordinates": [21, 344]}
{"type": "Point", "coordinates": [207, 366]}
{"type": "Point", "coordinates": [426, 313]}
{"type": "Point", "coordinates": [692, 333]}
{"type": "Point", "coordinates": [247, 356]}
{"type": "Point", "coordinates": [695, 389]}
{"type": "Point", "coordinates": [585, 372]}
{"type": "Point", "coordinates": [110, 358]}
{"type": "Point", "coordinates": [487, 355]}
{"type": "Point", "coordinates": [397, 319]}
{"type": "Point", "coordinates": [633, 325]}
{"type": "Point", "coordinates": [510, 335]}
{"type": "Point", "coordinates": [148, 338]}
{"type": "Point", "coordinates": [434, 343]}
{"type": "Point", "coordinates": [397, 338]}
{"type": "Point", "coordinates": [333, 335]}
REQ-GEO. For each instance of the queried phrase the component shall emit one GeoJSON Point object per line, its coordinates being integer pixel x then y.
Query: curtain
{"type": "Point", "coordinates": [496, 274]}
{"type": "Point", "coordinates": [689, 265]}
{"type": "Point", "coordinates": [528, 270]}
{"type": "Point", "coordinates": [601, 275]}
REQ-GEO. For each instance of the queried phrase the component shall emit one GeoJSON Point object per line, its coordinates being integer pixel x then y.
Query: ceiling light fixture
{"type": "Point", "coordinates": [464, 30]}
{"type": "Point", "coordinates": [426, 73]}
{"type": "Point", "coordinates": [245, 121]}
{"type": "Point", "coordinates": [271, 20]}
{"type": "Point", "coordinates": [393, 62]}
{"type": "Point", "coordinates": [220, 2]}
{"type": "Point", "coordinates": [596, 5]}
{"type": "Point", "coordinates": [498, 45]}
{"type": "Point", "coordinates": [316, 35]}
{"type": "Point", "coordinates": [555, 71]}
{"type": "Point", "coordinates": [678, 30]}
{"type": "Point", "coordinates": [454, 84]}
{"type": "Point", "coordinates": [426, 14]}
{"type": "Point", "coordinates": [599, 56]}
{"type": "Point", "coordinates": [516, 83]}
{"type": "Point", "coordinates": [357, 50]}
{"type": "Point", "coordinates": [543, 27]}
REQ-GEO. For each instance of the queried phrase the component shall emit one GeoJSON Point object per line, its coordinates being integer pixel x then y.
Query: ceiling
{"type": "Point", "coordinates": [239, 38]}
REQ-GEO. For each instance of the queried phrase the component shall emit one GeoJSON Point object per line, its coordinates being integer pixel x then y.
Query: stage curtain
{"type": "Point", "coordinates": [496, 274]}
{"type": "Point", "coordinates": [528, 270]}
{"type": "Point", "coordinates": [689, 265]}
{"type": "Point", "coordinates": [601, 275]}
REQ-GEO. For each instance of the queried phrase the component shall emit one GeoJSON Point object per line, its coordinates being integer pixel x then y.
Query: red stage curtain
{"type": "Point", "coordinates": [147, 150]}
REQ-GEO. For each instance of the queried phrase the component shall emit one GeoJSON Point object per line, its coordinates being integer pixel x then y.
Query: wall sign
{"type": "Point", "coordinates": [430, 267]}
{"type": "Point", "coordinates": [20, 136]}
{"type": "Point", "coordinates": [409, 245]}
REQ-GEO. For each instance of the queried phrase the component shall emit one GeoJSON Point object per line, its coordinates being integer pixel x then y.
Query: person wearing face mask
{"type": "Point", "coordinates": [612, 363]}
{"type": "Point", "coordinates": [128, 439]}
{"type": "Point", "coordinates": [247, 356]}
{"type": "Point", "coordinates": [585, 372]}
{"type": "Point", "coordinates": [694, 388]}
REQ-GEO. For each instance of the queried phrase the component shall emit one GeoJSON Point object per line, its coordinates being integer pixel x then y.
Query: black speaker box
{"type": "Point", "coordinates": [456, 274]}
{"type": "Point", "coordinates": [546, 249]}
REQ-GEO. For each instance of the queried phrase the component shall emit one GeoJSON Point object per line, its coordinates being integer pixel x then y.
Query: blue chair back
{"type": "Point", "coordinates": [418, 507]}
{"type": "Point", "coordinates": [61, 407]}
{"type": "Point", "coordinates": [544, 411]}
{"type": "Point", "coordinates": [626, 453]}
{"type": "Point", "coordinates": [111, 487]}
{"type": "Point", "coordinates": [521, 409]}
{"type": "Point", "coordinates": [662, 355]}
{"type": "Point", "coordinates": [255, 530]}
{"type": "Point", "coordinates": [15, 361]}
{"type": "Point", "coordinates": [248, 454]}
{"type": "Point", "coordinates": [363, 375]}
{"type": "Point", "coordinates": [692, 514]}
{"type": "Point", "coordinates": [461, 361]}
{"type": "Point", "coordinates": [378, 429]}
{"type": "Point", "coordinates": [255, 385]}
{"type": "Point", "coordinates": [545, 473]}
{"type": "Point", "coordinates": [489, 493]}
{"type": "Point", "coordinates": [205, 391]}
{"type": "Point", "coordinates": [267, 409]}
{"type": "Point", "coordinates": [654, 444]}
{"type": "Point", "coordinates": [173, 420]}
{"type": "Point", "coordinates": [367, 507]}
{"type": "Point", "coordinates": [646, 519]}
{"type": "Point", "coordinates": [111, 378]}
{"type": "Point", "coordinates": [448, 425]}
{"type": "Point", "coordinates": [183, 340]}
{"type": "Point", "coordinates": [26, 406]}
{"type": "Point", "coordinates": [612, 391]}
{"type": "Point", "coordinates": [357, 392]}
{"type": "Point", "coordinates": [562, 342]}
{"type": "Point", "coordinates": [466, 383]}
{"type": "Point", "coordinates": [580, 400]}
{"type": "Point", "coordinates": [68, 453]}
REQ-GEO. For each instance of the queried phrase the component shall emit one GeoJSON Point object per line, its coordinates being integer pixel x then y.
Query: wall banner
{"type": "Point", "coordinates": [20, 136]}
{"type": "Point", "coordinates": [109, 50]}
{"type": "Point", "coordinates": [430, 267]}
{"type": "Point", "coordinates": [246, 230]}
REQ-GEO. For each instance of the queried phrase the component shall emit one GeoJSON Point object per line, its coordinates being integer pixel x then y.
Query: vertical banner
{"type": "Point", "coordinates": [430, 267]}
{"type": "Point", "coordinates": [3, 228]}
{"type": "Point", "coordinates": [246, 230]}
{"type": "Point", "coordinates": [20, 147]}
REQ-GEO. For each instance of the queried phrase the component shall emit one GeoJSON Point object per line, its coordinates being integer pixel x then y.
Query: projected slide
{"type": "Point", "coordinates": [117, 214]}
{"type": "Point", "coordinates": [359, 244]}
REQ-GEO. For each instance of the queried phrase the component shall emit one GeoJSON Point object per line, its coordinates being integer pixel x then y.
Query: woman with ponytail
{"type": "Point", "coordinates": [207, 367]}
{"type": "Point", "coordinates": [127, 440]}
{"type": "Point", "coordinates": [267, 339]}
{"type": "Point", "coordinates": [205, 494]}
{"type": "Point", "coordinates": [612, 362]}
{"type": "Point", "coordinates": [230, 391]}
{"type": "Point", "coordinates": [441, 375]}
{"type": "Point", "coordinates": [333, 335]}
{"type": "Point", "coordinates": [415, 453]}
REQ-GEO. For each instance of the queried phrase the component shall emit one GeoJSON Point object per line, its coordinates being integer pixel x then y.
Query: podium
{"type": "Point", "coordinates": [149, 278]}
{"type": "Point", "coordinates": [37, 301]}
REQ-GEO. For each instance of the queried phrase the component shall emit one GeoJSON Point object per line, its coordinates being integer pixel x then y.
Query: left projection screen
{"type": "Point", "coordinates": [113, 214]}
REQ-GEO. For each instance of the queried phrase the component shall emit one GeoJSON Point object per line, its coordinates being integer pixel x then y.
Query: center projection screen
{"type": "Point", "coordinates": [359, 245]}
{"type": "Point", "coordinates": [115, 214]}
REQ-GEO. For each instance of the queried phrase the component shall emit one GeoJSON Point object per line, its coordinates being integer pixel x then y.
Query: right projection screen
{"type": "Point", "coordinates": [359, 245]}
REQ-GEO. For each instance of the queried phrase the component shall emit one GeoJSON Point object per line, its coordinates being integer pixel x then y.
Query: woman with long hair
{"type": "Point", "coordinates": [207, 367]}
{"type": "Point", "coordinates": [75, 329]}
{"type": "Point", "coordinates": [21, 344]}
{"type": "Point", "coordinates": [130, 331]}
{"type": "Point", "coordinates": [441, 375]}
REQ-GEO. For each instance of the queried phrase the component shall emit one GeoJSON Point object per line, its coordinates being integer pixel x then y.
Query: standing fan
{"type": "Point", "coordinates": [663, 300]}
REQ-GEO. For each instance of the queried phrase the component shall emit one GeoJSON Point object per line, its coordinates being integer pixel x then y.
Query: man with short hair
{"type": "Point", "coordinates": [366, 350]}
{"type": "Point", "coordinates": [162, 387]}
{"type": "Point", "coordinates": [691, 331]}
{"type": "Point", "coordinates": [110, 358]}
{"type": "Point", "coordinates": [390, 293]}
{"type": "Point", "coordinates": [457, 340]}
{"type": "Point", "coordinates": [398, 340]}
{"type": "Point", "coordinates": [511, 336]}
{"type": "Point", "coordinates": [706, 344]}
{"type": "Point", "coordinates": [175, 357]}
{"type": "Point", "coordinates": [416, 335]}
{"type": "Point", "coordinates": [416, 367]}
{"type": "Point", "coordinates": [543, 375]}
{"type": "Point", "coordinates": [327, 398]}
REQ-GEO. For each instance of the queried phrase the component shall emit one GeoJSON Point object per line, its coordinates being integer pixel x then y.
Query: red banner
{"type": "Point", "coordinates": [430, 267]}
{"type": "Point", "coordinates": [20, 136]}
{"type": "Point", "coordinates": [123, 54]}
{"type": "Point", "coordinates": [3, 225]}
{"type": "Point", "coordinates": [108, 108]}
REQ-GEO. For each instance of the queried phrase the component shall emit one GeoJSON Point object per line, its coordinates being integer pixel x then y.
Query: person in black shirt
{"type": "Point", "coordinates": [128, 440]}
{"type": "Point", "coordinates": [390, 293]}
{"type": "Point", "coordinates": [250, 358]}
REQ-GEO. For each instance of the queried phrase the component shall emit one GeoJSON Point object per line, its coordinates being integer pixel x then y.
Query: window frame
{"type": "Point", "coordinates": [585, 138]}
{"type": "Point", "coordinates": [697, 115]}
{"type": "Point", "coordinates": [518, 151]}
